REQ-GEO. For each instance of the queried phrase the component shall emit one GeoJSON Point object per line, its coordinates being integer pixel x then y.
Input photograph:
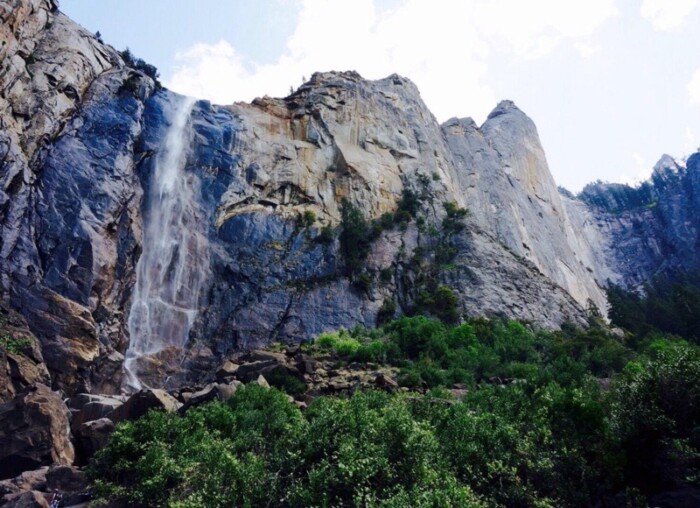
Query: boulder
{"type": "Point", "coordinates": [93, 436]}
{"type": "Point", "coordinates": [385, 382]}
{"type": "Point", "coordinates": [228, 369]}
{"type": "Point", "coordinates": [28, 499]}
{"type": "Point", "coordinates": [66, 479]}
{"type": "Point", "coordinates": [305, 364]}
{"type": "Point", "coordinates": [34, 431]}
{"type": "Point", "coordinates": [98, 407]}
{"type": "Point", "coordinates": [29, 480]}
{"type": "Point", "coordinates": [250, 371]}
{"type": "Point", "coordinates": [212, 391]}
{"type": "Point", "coordinates": [260, 355]}
{"type": "Point", "coordinates": [79, 400]}
{"type": "Point", "coordinates": [261, 381]}
{"type": "Point", "coordinates": [142, 402]}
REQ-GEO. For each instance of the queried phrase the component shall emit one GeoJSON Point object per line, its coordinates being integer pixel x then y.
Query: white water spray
{"type": "Point", "coordinates": [174, 264]}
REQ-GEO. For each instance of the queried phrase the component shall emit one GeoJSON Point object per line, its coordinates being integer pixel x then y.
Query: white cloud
{"type": "Point", "coordinates": [642, 170]}
{"type": "Point", "coordinates": [667, 14]}
{"type": "Point", "coordinates": [443, 46]}
{"type": "Point", "coordinates": [694, 88]}
{"type": "Point", "coordinates": [533, 29]}
{"type": "Point", "coordinates": [587, 49]}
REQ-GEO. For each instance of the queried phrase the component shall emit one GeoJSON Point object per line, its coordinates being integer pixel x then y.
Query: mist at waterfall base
{"type": "Point", "coordinates": [174, 263]}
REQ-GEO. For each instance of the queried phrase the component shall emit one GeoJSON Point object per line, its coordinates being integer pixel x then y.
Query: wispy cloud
{"type": "Point", "coordinates": [667, 14]}
{"type": "Point", "coordinates": [443, 46]}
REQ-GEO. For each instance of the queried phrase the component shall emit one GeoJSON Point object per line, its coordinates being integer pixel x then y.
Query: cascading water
{"type": "Point", "coordinates": [174, 263]}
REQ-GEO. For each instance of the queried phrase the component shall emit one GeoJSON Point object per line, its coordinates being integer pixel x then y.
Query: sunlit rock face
{"type": "Point", "coordinates": [503, 172]}
{"type": "Point", "coordinates": [84, 143]}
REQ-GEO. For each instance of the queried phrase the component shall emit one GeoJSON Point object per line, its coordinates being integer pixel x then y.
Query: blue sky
{"type": "Point", "coordinates": [611, 84]}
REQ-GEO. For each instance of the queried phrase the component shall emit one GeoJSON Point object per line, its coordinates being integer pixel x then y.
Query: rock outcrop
{"type": "Point", "coordinates": [34, 431]}
{"type": "Point", "coordinates": [21, 362]}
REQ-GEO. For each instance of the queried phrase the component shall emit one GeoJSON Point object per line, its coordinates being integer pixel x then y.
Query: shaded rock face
{"type": "Point", "coordinates": [651, 230]}
{"type": "Point", "coordinates": [34, 431]}
{"type": "Point", "coordinates": [80, 137]}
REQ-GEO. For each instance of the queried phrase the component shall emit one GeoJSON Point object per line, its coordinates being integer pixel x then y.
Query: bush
{"type": "Point", "coordinates": [385, 275]}
{"type": "Point", "coordinates": [408, 206]}
{"type": "Point", "coordinates": [386, 311]}
{"type": "Point", "coordinates": [534, 427]}
{"type": "Point", "coordinates": [340, 343]}
{"type": "Point", "coordinates": [10, 343]}
{"type": "Point", "coordinates": [363, 282]}
{"type": "Point", "coordinates": [259, 450]}
{"type": "Point", "coordinates": [286, 382]}
{"type": "Point", "coordinates": [216, 455]}
{"type": "Point", "coordinates": [140, 65]}
{"type": "Point", "coordinates": [306, 219]}
{"type": "Point", "coordinates": [14, 345]}
{"type": "Point", "coordinates": [326, 235]}
{"type": "Point", "coordinates": [656, 414]}
{"type": "Point", "coordinates": [440, 302]}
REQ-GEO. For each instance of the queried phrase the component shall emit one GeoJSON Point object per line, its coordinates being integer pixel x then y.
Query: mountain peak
{"type": "Point", "coordinates": [503, 107]}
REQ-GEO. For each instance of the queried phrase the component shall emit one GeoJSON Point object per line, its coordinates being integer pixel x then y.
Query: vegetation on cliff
{"type": "Point", "coordinates": [665, 305]}
{"type": "Point", "coordinates": [569, 418]}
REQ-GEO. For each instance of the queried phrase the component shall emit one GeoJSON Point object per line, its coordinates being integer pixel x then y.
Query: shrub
{"type": "Point", "coordinates": [441, 303]}
{"type": "Point", "coordinates": [385, 275]}
{"type": "Point", "coordinates": [355, 240]}
{"type": "Point", "coordinates": [10, 343]}
{"type": "Point", "coordinates": [656, 414]}
{"type": "Point", "coordinates": [325, 235]}
{"type": "Point", "coordinates": [363, 282]}
{"type": "Point", "coordinates": [306, 219]}
{"type": "Point", "coordinates": [140, 65]}
{"type": "Point", "coordinates": [408, 206]}
{"type": "Point", "coordinates": [386, 311]}
{"type": "Point", "coordinates": [286, 382]}
{"type": "Point", "coordinates": [14, 345]}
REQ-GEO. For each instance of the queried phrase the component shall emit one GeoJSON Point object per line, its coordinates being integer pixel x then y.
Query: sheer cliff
{"type": "Point", "coordinates": [81, 135]}
{"type": "Point", "coordinates": [652, 229]}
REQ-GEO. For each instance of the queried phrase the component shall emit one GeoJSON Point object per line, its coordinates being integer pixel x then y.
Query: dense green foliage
{"type": "Point", "coordinates": [569, 418]}
{"type": "Point", "coordinates": [259, 450]}
{"type": "Point", "coordinates": [670, 306]}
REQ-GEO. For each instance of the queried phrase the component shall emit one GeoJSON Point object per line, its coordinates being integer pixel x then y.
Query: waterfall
{"type": "Point", "coordinates": [174, 263]}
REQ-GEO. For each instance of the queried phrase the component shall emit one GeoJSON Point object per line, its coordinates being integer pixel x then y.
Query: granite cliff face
{"type": "Point", "coordinates": [650, 230]}
{"type": "Point", "coordinates": [82, 131]}
{"type": "Point", "coordinates": [502, 170]}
